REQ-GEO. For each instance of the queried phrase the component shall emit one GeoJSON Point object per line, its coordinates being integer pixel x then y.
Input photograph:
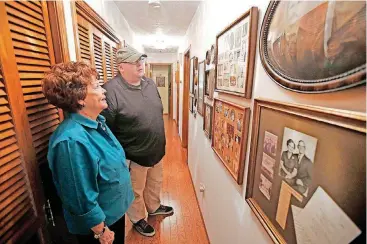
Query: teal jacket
{"type": "Point", "coordinates": [89, 170]}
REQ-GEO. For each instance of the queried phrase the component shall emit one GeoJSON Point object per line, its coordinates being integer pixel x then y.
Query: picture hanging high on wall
{"type": "Point", "coordinates": [229, 137]}
{"type": "Point", "coordinates": [315, 46]}
{"type": "Point", "coordinates": [236, 47]}
{"type": "Point", "coordinates": [307, 173]}
{"type": "Point", "coordinates": [201, 78]}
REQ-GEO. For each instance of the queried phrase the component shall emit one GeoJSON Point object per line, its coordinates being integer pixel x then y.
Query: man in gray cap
{"type": "Point", "coordinates": [135, 116]}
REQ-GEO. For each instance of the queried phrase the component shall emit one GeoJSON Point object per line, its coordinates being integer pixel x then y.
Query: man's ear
{"type": "Point", "coordinates": [120, 67]}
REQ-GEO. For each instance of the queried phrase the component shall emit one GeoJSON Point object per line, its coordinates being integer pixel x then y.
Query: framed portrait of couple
{"type": "Point", "coordinates": [307, 170]}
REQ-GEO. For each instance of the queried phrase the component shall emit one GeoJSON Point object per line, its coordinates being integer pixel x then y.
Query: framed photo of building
{"type": "Point", "coordinates": [229, 137]}
{"type": "Point", "coordinates": [208, 119]}
{"type": "Point", "coordinates": [291, 29]}
{"type": "Point", "coordinates": [307, 170]}
{"type": "Point", "coordinates": [201, 75]}
{"type": "Point", "coordinates": [236, 47]}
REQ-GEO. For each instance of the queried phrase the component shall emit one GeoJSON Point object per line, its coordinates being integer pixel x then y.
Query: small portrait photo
{"type": "Point", "coordinates": [237, 139]}
{"type": "Point", "coordinates": [245, 29]}
{"type": "Point", "coordinates": [225, 112]}
{"type": "Point", "coordinates": [265, 186]}
{"type": "Point", "coordinates": [160, 81]}
{"type": "Point", "coordinates": [239, 122]}
{"type": "Point", "coordinates": [232, 116]}
{"type": "Point", "coordinates": [220, 82]}
{"type": "Point", "coordinates": [230, 130]}
{"type": "Point", "coordinates": [297, 159]}
{"type": "Point", "coordinates": [238, 37]}
{"type": "Point", "coordinates": [267, 165]}
{"type": "Point", "coordinates": [270, 144]}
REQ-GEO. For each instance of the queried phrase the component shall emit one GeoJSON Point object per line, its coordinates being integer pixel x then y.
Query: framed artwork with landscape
{"type": "Point", "coordinates": [315, 46]}
{"type": "Point", "coordinates": [229, 136]}
{"type": "Point", "coordinates": [236, 47]}
{"type": "Point", "coordinates": [307, 170]}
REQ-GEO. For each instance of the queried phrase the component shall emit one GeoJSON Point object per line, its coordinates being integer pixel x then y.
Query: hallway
{"type": "Point", "coordinates": [186, 224]}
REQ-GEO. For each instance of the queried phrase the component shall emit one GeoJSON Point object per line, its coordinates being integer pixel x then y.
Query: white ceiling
{"type": "Point", "coordinates": [171, 19]}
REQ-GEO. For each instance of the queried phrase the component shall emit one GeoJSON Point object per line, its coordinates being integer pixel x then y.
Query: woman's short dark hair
{"type": "Point", "coordinates": [67, 83]}
{"type": "Point", "coordinates": [289, 141]}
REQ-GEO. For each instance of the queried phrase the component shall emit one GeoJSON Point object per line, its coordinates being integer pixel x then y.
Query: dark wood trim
{"type": "Point", "coordinates": [19, 114]}
{"type": "Point", "coordinates": [185, 103]}
{"type": "Point", "coordinates": [245, 136]}
{"type": "Point", "coordinates": [251, 47]}
{"type": "Point", "coordinates": [58, 31]}
{"type": "Point", "coordinates": [178, 94]}
{"type": "Point", "coordinates": [95, 19]}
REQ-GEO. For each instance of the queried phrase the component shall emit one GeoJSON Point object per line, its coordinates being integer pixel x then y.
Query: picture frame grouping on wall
{"type": "Point", "coordinates": [236, 47]}
{"type": "Point", "coordinates": [208, 119]}
{"type": "Point", "coordinates": [191, 103]}
{"type": "Point", "coordinates": [291, 29]}
{"type": "Point", "coordinates": [307, 170]}
{"type": "Point", "coordinates": [229, 136]}
{"type": "Point", "coordinates": [201, 79]}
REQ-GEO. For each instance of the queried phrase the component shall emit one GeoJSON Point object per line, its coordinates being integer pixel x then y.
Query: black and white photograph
{"type": "Point", "coordinates": [265, 186]}
{"type": "Point", "coordinates": [270, 144]}
{"type": "Point", "coordinates": [267, 165]}
{"type": "Point", "coordinates": [297, 159]}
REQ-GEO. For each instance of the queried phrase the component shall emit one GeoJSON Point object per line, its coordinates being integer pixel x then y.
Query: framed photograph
{"type": "Point", "coordinates": [192, 75]}
{"type": "Point", "coordinates": [229, 136]}
{"type": "Point", "coordinates": [201, 75]}
{"type": "Point", "coordinates": [291, 29]}
{"type": "Point", "coordinates": [160, 81]}
{"type": "Point", "coordinates": [236, 47]}
{"type": "Point", "coordinates": [191, 103]}
{"type": "Point", "coordinates": [307, 170]}
{"type": "Point", "coordinates": [208, 117]}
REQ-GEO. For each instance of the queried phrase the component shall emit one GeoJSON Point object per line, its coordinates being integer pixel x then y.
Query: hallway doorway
{"type": "Point", "coordinates": [185, 102]}
{"type": "Point", "coordinates": [161, 73]}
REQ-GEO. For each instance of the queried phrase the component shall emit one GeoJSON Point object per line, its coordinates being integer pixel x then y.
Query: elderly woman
{"type": "Point", "coordinates": [86, 160]}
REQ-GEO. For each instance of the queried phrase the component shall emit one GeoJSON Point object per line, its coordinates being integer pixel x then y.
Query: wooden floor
{"type": "Point", "coordinates": [185, 225]}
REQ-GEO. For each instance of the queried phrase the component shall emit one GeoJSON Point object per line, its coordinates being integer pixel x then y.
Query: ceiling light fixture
{"type": "Point", "coordinates": [154, 3]}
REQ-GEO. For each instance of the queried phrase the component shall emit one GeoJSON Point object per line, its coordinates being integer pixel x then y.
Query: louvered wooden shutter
{"type": "Point", "coordinates": [108, 58]}
{"type": "Point", "coordinates": [33, 57]}
{"type": "Point", "coordinates": [98, 61]}
{"type": "Point", "coordinates": [83, 36]}
{"type": "Point", "coordinates": [16, 208]}
{"type": "Point", "coordinates": [114, 60]}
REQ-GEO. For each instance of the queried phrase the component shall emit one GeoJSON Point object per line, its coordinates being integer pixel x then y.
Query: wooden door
{"type": "Point", "coordinates": [185, 105]}
{"type": "Point", "coordinates": [26, 53]}
{"type": "Point", "coordinates": [178, 94]}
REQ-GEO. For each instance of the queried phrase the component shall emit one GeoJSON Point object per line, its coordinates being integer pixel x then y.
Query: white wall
{"type": "Point", "coordinates": [109, 11]}
{"type": "Point", "coordinates": [227, 216]}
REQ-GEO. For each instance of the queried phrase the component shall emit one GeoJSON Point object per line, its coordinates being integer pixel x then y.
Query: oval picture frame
{"type": "Point", "coordinates": [351, 77]}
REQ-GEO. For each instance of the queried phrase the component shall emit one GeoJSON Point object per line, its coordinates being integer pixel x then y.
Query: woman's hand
{"type": "Point", "coordinates": [108, 237]}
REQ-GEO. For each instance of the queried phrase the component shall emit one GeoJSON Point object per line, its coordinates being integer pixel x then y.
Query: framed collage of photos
{"type": "Point", "coordinates": [201, 78]}
{"type": "Point", "coordinates": [229, 137]}
{"type": "Point", "coordinates": [192, 75]}
{"type": "Point", "coordinates": [191, 103]}
{"type": "Point", "coordinates": [307, 170]}
{"type": "Point", "coordinates": [236, 47]}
